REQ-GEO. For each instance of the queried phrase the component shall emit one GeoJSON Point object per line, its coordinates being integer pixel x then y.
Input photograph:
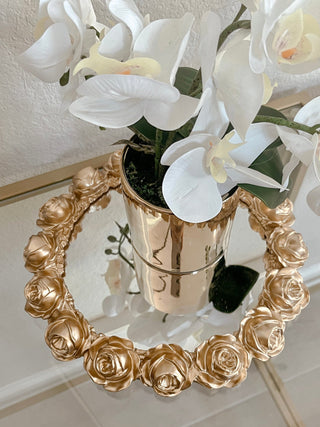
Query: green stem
{"type": "Point", "coordinates": [244, 24]}
{"type": "Point", "coordinates": [288, 123]}
{"type": "Point", "coordinates": [170, 140]}
{"type": "Point", "coordinates": [125, 259]}
{"type": "Point", "coordinates": [158, 149]}
{"type": "Point", "coordinates": [240, 13]}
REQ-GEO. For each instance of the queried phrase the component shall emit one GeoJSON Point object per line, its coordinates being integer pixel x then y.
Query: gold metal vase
{"type": "Point", "coordinates": [175, 260]}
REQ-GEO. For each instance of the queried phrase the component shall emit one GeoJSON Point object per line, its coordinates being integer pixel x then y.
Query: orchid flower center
{"type": "Point", "coordinates": [297, 38]}
{"type": "Point", "coordinates": [218, 157]}
{"type": "Point", "coordinates": [146, 67]}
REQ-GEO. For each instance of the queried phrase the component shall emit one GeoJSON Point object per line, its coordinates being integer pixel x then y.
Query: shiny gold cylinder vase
{"type": "Point", "coordinates": [175, 260]}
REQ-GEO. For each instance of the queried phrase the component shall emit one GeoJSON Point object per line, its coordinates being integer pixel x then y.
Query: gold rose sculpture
{"type": "Point", "coordinates": [113, 362]}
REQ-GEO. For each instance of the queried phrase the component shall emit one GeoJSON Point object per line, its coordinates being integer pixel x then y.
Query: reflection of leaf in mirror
{"type": "Point", "coordinates": [230, 285]}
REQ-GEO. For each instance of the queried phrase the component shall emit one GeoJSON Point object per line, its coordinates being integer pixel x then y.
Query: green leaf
{"type": "Point", "coordinates": [108, 252]}
{"type": "Point", "coordinates": [184, 79]}
{"type": "Point", "coordinates": [112, 239]}
{"type": "Point", "coordinates": [64, 80]}
{"type": "Point", "coordinates": [269, 163]}
{"type": "Point", "coordinates": [144, 130]}
{"type": "Point", "coordinates": [230, 285]}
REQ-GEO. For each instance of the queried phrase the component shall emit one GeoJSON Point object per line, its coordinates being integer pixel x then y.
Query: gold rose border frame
{"type": "Point", "coordinates": [114, 362]}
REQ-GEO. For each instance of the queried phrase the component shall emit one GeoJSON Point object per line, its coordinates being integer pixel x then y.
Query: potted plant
{"type": "Point", "coordinates": [198, 134]}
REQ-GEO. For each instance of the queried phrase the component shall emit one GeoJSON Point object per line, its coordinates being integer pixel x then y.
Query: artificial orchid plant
{"type": "Point", "coordinates": [207, 125]}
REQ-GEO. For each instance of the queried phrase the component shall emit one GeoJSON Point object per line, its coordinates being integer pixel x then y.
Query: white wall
{"type": "Point", "coordinates": [36, 136]}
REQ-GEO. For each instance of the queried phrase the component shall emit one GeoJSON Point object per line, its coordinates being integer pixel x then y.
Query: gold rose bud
{"type": "Point", "coordinates": [38, 251]}
{"type": "Point", "coordinates": [56, 211]}
{"type": "Point", "coordinates": [289, 247]}
{"type": "Point", "coordinates": [223, 362]}
{"type": "Point", "coordinates": [263, 219]}
{"type": "Point", "coordinates": [86, 182]}
{"type": "Point", "coordinates": [285, 292]}
{"type": "Point", "coordinates": [68, 335]}
{"type": "Point", "coordinates": [168, 369]}
{"type": "Point", "coordinates": [112, 362]}
{"type": "Point", "coordinates": [262, 333]}
{"type": "Point", "coordinates": [44, 294]}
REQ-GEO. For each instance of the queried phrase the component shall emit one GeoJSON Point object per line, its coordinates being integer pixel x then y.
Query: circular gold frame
{"type": "Point", "coordinates": [222, 360]}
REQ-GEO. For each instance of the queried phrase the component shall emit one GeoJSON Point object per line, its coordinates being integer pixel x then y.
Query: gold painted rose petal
{"type": "Point", "coordinates": [44, 294]}
{"type": "Point", "coordinates": [39, 252]}
{"type": "Point", "coordinates": [56, 211]}
{"type": "Point", "coordinates": [68, 335]}
{"type": "Point", "coordinates": [112, 362]}
{"type": "Point", "coordinates": [285, 292]}
{"type": "Point", "coordinates": [262, 333]}
{"type": "Point", "coordinates": [222, 361]}
{"type": "Point", "coordinates": [288, 246]}
{"type": "Point", "coordinates": [168, 369]}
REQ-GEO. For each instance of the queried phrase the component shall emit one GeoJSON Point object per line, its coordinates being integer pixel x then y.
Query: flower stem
{"type": "Point", "coordinates": [158, 153]}
{"type": "Point", "coordinates": [240, 13]}
{"type": "Point", "coordinates": [246, 24]}
{"type": "Point", "coordinates": [288, 123]}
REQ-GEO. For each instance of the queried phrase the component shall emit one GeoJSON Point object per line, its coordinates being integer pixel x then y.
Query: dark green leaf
{"type": "Point", "coordinates": [87, 77]}
{"type": "Point", "coordinates": [102, 128]}
{"type": "Point", "coordinates": [184, 79]}
{"type": "Point", "coordinates": [108, 251]}
{"type": "Point", "coordinates": [126, 229]}
{"type": "Point", "coordinates": [230, 285]}
{"type": "Point", "coordinates": [269, 163]}
{"type": "Point", "coordinates": [112, 239]}
{"type": "Point", "coordinates": [144, 130]}
{"type": "Point", "coordinates": [64, 80]}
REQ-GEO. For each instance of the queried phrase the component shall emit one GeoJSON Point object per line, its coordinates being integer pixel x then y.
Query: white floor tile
{"type": "Point", "coordinates": [63, 409]}
{"type": "Point", "coordinates": [302, 347]}
{"type": "Point", "coordinates": [139, 406]}
{"type": "Point", "coordinates": [260, 411]}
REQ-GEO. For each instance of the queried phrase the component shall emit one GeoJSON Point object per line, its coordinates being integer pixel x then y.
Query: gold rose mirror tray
{"type": "Point", "coordinates": [137, 339]}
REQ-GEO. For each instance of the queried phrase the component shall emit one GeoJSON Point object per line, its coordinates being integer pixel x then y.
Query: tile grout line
{"type": "Point", "coordinates": [279, 394]}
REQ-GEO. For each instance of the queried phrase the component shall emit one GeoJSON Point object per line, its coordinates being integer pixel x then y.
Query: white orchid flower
{"type": "Point", "coordinates": [233, 87]}
{"type": "Point", "coordinates": [64, 35]}
{"type": "Point", "coordinates": [252, 5]}
{"type": "Point", "coordinates": [203, 167]}
{"type": "Point", "coordinates": [286, 33]}
{"type": "Point", "coordinates": [125, 91]}
{"type": "Point", "coordinates": [305, 147]}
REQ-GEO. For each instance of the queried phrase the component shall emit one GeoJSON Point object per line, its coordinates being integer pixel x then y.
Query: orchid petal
{"type": "Point", "coordinates": [106, 112]}
{"type": "Point", "coordinates": [127, 12]}
{"type": "Point", "coordinates": [212, 118]}
{"type": "Point", "coordinates": [237, 92]}
{"type": "Point", "coordinates": [257, 55]}
{"type": "Point", "coordinates": [209, 35]}
{"type": "Point", "coordinates": [165, 41]}
{"type": "Point", "coordinates": [147, 67]}
{"type": "Point", "coordinates": [123, 87]}
{"type": "Point", "coordinates": [288, 169]}
{"type": "Point", "coordinates": [313, 200]}
{"type": "Point", "coordinates": [245, 175]}
{"type": "Point", "coordinates": [252, 5]}
{"type": "Point", "coordinates": [113, 305]}
{"type": "Point", "coordinates": [189, 190]}
{"type": "Point", "coordinates": [309, 114]}
{"type": "Point", "coordinates": [258, 138]}
{"type": "Point", "coordinates": [181, 147]}
{"type": "Point", "coordinates": [299, 145]}
{"type": "Point", "coordinates": [170, 116]}
{"type": "Point", "coordinates": [47, 57]}
{"type": "Point", "coordinates": [138, 305]}
{"type": "Point", "coordinates": [316, 155]}
{"type": "Point", "coordinates": [85, 11]}
{"type": "Point", "coordinates": [116, 43]}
